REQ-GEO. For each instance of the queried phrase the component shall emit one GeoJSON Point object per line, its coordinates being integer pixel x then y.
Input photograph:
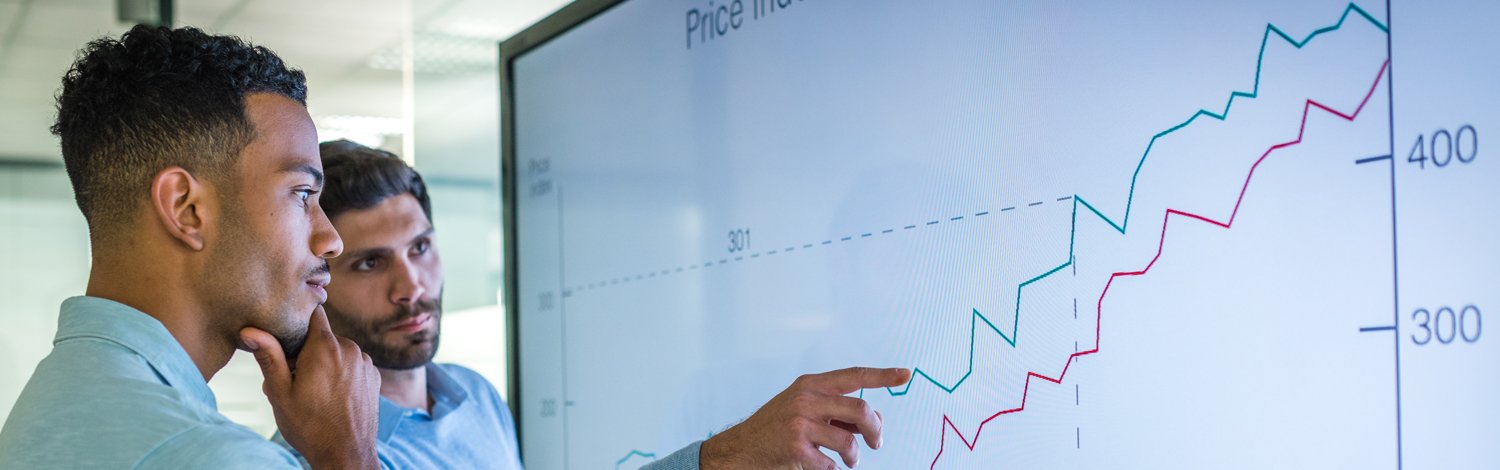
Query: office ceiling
{"type": "Point", "coordinates": [350, 50]}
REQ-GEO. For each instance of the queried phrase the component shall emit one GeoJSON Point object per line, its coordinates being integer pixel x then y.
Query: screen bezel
{"type": "Point", "coordinates": [531, 38]}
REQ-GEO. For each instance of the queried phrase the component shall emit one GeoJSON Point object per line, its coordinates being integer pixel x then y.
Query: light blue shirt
{"type": "Point", "coordinates": [685, 459]}
{"type": "Point", "coordinates": [118, 391]}
{"type": "Point", "coordinates": [469, 427]}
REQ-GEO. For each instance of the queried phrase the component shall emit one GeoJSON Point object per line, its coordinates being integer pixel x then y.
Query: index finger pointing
{"type": "Point", "coordinates": [845, 381]}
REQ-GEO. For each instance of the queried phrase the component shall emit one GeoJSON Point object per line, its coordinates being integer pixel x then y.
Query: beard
{"type": "Point", "coordinates": [406, 352]}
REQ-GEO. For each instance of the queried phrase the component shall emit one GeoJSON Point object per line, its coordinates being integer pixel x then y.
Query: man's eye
{"type": "Point", "coordinates": [422, 246]}
{"type": "Point", "coordinates": [304, 194]}
{"type": "Point", "coordinates": [366, 264]}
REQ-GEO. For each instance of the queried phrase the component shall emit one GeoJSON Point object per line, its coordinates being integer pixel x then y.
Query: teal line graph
{"type": "Point", "coordinates": [1130, 197]}
{"type": "Point", "coordinates": [646, 455]}
{"type": "Point", "coordinates": [634, 453]}
{"type": "Point", "coordinates": [1254, 92]}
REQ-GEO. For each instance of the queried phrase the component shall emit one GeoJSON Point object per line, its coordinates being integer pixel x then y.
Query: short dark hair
{"type": "Point", "coordinates": [159, 97]}
{"type": "Point", "coordinates": [360, 177]}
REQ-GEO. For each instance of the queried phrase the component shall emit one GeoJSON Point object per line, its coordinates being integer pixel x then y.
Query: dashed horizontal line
{"type": "Point", "coordinates": [709, 264]}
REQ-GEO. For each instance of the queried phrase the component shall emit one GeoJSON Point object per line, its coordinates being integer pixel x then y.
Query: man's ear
{"type": "Point", "coordinates": [178, 202]}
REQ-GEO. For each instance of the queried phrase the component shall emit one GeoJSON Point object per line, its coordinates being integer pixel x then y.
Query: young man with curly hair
{"type": "Point", "coordinates": [195, 164]}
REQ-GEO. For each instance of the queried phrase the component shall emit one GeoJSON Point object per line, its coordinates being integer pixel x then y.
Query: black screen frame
{"type": "Point", "coordinates": [533, 37]}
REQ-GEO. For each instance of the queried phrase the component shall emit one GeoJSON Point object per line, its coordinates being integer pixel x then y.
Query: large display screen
{"type": "Point", "coordinates": [1116, 234]}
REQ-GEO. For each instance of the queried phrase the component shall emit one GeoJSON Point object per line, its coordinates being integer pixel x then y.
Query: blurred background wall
{"type": "Point", "coordinates": [416, 77]}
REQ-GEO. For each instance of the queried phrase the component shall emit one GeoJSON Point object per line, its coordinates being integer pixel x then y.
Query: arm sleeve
{"type": "Point", "coordinates": [278, 440]}
{"type": "Point", "coordinates": [227, 448]}
{"type": "Point", "coordinates": [685, 459]}
{"type": "Point", "coordinates": [219, 447]}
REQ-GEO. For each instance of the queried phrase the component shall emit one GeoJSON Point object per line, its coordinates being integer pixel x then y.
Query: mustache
{"type": "Point", "coordinates": [408, 310]}
{"type": "Point", "coordinates": [320, 269]}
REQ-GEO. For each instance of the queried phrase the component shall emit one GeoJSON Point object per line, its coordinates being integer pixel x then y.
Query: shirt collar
{"type": "Point", "coordinates": [447, 395]}
{"type": "Point", "coordinates": [93, 317]}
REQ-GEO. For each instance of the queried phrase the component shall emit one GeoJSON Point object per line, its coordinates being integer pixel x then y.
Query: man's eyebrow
{"type": "Point", "coordinates": [316, 174]}
{"type": "Point", "coordinates": [366, 253]}
{"type": "Point", "coordinates": [425, 234]}
{"type": "Point", "coordinates": [380, 250]}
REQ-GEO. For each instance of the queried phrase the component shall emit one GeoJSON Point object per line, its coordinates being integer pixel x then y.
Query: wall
{"type": "Point", "coordinates": [44, 258]}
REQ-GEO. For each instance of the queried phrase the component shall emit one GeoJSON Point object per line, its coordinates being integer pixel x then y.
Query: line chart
{"type": "Point", "coordinates": [845, 184]}
{"type": "Point", "coordinates": [1308, 106]}
{"type": "Point", "coordinates": [633, 454]}
{"type": "Point", "coordinates": [1351, 10]}
{"type": "Point", "coordinates": [1122, 226]}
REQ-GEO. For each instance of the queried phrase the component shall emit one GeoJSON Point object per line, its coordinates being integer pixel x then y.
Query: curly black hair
{"type": "Point", "coordinates": [360, 177]}
{"type": "Point", "coordinates": [154, 98]}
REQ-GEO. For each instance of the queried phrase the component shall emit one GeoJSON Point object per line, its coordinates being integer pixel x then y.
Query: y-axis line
{"type": "Point", "coordinates": [1390, 100]}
